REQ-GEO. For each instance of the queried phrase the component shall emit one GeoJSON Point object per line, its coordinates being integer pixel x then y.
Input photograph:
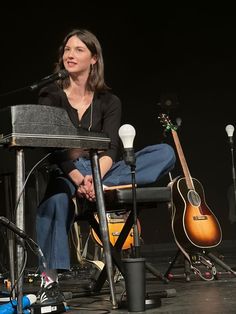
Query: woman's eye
{"type": "Point", "coordinates": [79, 49]}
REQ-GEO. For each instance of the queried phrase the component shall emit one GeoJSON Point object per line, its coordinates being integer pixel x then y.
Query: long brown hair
{"type": "Point", "coordinates": [96, 81]}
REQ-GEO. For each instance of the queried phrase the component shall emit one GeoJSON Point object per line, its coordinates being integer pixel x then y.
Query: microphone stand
{"type": "Point", "coordinates": [136, 248]}
{"type": "Point", "coordinates": [134, 267]}
{"type": "Point", "coordinates": [129, 158]}
{"type": "Point", "coordinates": [230, 131]}
{"type": "Point", "coordinates": [233, 172]}
{"type": "Point", "coordinates": [23, 237]}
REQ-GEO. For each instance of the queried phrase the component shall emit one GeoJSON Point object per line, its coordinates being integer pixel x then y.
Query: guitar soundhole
{"type": "Point", "coordinates": [194, 198]}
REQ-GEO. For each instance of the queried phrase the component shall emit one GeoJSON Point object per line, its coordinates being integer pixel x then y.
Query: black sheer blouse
{"type": "Point", "coordinates": [103, 115]}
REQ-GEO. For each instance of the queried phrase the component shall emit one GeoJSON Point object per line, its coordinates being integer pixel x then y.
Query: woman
{"type": "Point", "coordinates": [91, 105]}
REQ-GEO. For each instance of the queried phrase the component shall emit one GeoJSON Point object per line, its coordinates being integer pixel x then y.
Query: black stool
{"type": "Point", "coordinates": [118, 199]}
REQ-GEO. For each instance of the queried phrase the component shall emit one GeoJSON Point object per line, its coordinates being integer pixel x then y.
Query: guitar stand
{"type": "Point", "coordinates": [204, 258]}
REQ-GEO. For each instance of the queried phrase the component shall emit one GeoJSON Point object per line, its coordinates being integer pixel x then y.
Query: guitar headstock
{"type": "Point", "coordinates": [166, 122]}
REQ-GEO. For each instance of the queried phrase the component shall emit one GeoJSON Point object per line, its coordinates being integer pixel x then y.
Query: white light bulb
{"type": "Point", "coordinates": [229, 130]}
{"type": "Point", "coordinates": [127, 134]}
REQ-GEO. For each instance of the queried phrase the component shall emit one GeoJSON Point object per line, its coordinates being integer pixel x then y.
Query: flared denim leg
{"type": "Point", "coordinates": [152, 163]}
{"type": "Point", "coordinates": [53, 221]}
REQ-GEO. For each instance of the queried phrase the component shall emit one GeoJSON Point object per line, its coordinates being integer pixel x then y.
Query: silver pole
{"type": "Point", "coordinates": [20, 223]}
{"type": "Point", "coordinates": [11, 240]}
{"type": "Point", "coordinates": [103, 225]}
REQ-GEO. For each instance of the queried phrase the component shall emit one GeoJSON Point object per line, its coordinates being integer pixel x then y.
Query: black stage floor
{"type": "Point", "coordinates": [196, 296]}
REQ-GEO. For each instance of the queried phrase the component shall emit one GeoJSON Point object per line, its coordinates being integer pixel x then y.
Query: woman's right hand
{"type": "Point", "coordinates": [86, 189]}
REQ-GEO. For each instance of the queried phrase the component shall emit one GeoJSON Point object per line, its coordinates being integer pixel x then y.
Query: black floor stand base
{"type": "Point", "coordinates": [203, 265]}
{"type": "Point", "coordinates": [152, 299]}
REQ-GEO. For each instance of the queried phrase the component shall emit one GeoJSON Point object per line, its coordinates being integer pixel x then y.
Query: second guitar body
{"type": "Point", "coordinates": [193, 223]}
{"type": "Point", "coordinates": [115, 226]}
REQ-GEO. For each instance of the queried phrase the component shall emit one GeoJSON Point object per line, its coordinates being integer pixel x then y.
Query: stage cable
{"type": "Point", "coordinates": [13, 287]}
{"type": "Point", "coordinates": [26, 180]}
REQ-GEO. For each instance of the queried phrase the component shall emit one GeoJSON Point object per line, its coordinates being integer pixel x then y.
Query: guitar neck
{"type": "Point", "coordinates": [183, 162]}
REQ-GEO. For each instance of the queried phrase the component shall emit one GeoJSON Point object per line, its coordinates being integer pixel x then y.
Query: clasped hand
{"type": "Point", "coordinates": [86, 189]}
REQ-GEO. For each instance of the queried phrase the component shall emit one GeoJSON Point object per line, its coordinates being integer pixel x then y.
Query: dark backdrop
{"type": "Point", "coordinates": [149, 51]}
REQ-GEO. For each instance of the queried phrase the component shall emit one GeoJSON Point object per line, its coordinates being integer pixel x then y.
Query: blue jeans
{"type": "Point", "coordinates": [55, 214]}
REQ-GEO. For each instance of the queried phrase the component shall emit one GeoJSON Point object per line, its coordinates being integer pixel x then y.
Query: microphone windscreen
{"type": "Point", "coordinates": [62, 74]}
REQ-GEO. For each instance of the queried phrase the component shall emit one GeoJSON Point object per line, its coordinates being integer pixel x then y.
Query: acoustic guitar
{"type": "Point", "coordinates": [115, 224]}
{"type": "Point", "coordinates": [193, 223]}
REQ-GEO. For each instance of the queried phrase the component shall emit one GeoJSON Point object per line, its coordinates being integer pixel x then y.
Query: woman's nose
{"type": "Point", "coordinates": [70, 54]}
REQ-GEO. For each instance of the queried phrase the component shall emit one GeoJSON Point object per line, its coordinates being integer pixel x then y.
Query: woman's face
{"type": "Point", "coordinates": [77, 58]}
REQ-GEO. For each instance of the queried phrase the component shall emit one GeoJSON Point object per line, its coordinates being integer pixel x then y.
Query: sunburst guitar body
{"type": "Point", "coordinates": [193, 223]}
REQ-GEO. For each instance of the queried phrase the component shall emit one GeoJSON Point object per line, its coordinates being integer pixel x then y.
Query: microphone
{"type": "Point", "coordinates": [230, 131]}
{"type": "Point", "coordinates": [7, 223]}
{"type": "Point", "coordinates": [61, 75]}
{"type": "Point", "coordinates": [10, 307]}
{"type": "Point", "coordinates": [127, 133]}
